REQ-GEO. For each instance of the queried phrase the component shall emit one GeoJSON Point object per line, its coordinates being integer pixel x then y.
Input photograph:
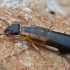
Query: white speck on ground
{"type": "Point", "coordinates": [27, 9]}
{"type": "Point", "coordinates": [27, 62]}
{"type": "Point", "coordinates": [19, 44]}
{"type": "Point", "coordinates": [13, 57]}
{"type": "Point", "coordinates": [27, 52]}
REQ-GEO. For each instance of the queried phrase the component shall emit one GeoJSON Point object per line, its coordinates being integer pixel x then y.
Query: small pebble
{"type": "Point", "coordinates": [52, 12]}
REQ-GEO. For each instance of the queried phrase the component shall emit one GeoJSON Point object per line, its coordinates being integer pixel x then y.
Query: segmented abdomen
{"type": "Point", "coordinates": [43, 34]}
{"type": "Point", "coordinates": [35, 31]}
{"type": "Point", "coordinates": [59, 38]}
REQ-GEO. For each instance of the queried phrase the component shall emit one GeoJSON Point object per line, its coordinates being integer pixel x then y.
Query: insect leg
{"type": "Point", "coordinates": [49, 25]}
{"type": "Point", "coordinates": [33, 44]}
{"type": "Point", "coordinates": [51, 48]}
{"type": "Point", "coordinates": [46, 46]}
{"type": "Point", "coordinates": [67, 57]}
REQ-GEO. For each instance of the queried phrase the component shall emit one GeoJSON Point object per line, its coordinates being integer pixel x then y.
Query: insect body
{"type": "Point", "coordinates": [41, 34]}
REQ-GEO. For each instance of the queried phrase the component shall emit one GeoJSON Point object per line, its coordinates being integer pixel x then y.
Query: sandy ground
{"type": "Point", "coordinates": [19, 54]}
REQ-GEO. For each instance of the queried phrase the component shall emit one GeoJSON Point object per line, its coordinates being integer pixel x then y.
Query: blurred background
{"type": "Point", "coordinates": [20, 54]}
{"type": "Point", "coordinates": [59, 6]}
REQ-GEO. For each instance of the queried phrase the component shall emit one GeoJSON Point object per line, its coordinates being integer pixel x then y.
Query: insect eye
{"type": "Point", "coordinates": [7, 30]}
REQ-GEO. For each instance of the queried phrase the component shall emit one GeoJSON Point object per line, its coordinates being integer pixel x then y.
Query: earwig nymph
{"type": "Point", "coordinates": [42, 34]}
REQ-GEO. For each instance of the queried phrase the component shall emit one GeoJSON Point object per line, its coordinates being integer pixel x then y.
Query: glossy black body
{"type": "Point", "coordinates": [61, 38]}
{"type": "Point", "coordinates": [13, 29]}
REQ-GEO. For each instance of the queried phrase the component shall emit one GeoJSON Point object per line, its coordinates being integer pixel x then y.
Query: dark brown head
{"type": "Point", "coordinates": [14, 29]}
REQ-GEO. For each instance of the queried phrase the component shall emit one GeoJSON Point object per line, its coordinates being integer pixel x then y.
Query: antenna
{"type": "Point", "coordinates": [3, 20]}
{"type": "Point", "coordinates": [3, 33]}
